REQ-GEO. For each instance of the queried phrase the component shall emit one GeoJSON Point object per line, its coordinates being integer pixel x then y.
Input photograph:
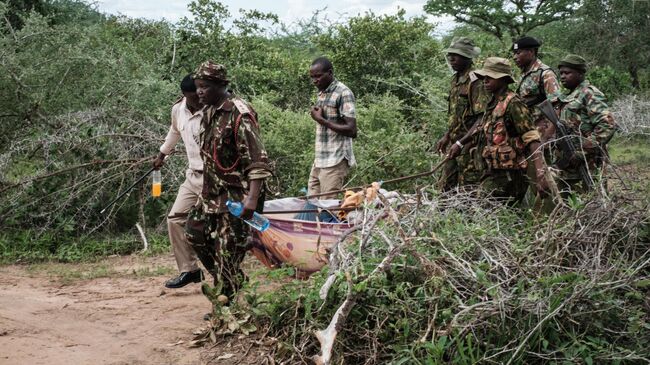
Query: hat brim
{"type": "Point", "coordinates": [581, 68]}
{"type": "Point", "coordinates": [210, 78]}
{"type": "Point", "coordinates": [523, 47]}
{"type": "Point", "coordinates": [458, 51]}
{"type": "Point", "coordinates": [492, 74]}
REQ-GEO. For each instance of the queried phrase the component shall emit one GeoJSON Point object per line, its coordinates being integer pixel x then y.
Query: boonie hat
{"type": "Point", "coordinates": [496, 68]}
{"type": "Point", "coordinates": [464, 47]}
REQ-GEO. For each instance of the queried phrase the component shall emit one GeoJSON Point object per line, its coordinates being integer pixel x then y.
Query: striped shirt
{"type": "Point", "coordinates": [337, 101]}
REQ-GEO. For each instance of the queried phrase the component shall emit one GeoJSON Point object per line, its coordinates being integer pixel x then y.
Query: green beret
{"type": "Point", "coordinates": [464, 47]}
{"type": "Point", "coordinates": [575, 62]}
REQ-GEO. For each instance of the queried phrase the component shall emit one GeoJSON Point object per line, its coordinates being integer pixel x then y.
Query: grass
{"type": "Point", "coordinates": [70, 273]}
{"type": "Point", "coordinates": [631, 160]}
{"type": "Point", "coordinates": [630, 151]}
{"type": "Point", "coordinates": [32, 247]}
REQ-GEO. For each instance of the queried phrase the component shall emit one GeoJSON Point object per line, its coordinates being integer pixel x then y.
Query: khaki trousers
{"type": "Point", "coordinates": [188, 194]}
{"type": "Point", "coordinates": [322, 180]}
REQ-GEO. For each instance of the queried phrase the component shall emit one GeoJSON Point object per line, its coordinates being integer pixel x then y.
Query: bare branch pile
{"type": "Point", "coordinates": [452, 278]}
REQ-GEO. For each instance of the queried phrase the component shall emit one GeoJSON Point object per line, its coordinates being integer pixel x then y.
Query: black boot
{"type": "Point", "coordinates": [185, 278]}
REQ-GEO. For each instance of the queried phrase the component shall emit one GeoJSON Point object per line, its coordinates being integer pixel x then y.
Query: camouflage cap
{"type": "Point", "coordinates": [526, 43]}
{"type": "Point", "coordinates": [464, 47]}
{"type": "Point", "coordinates": [496, 68]}
{"type": "Point", "coordinates": [575, 62]}
{"type": "Point", "coordinates": [212, 71]}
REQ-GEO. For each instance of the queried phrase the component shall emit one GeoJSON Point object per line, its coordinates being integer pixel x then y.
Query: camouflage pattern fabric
{"type": "Point", "coordinates": [233, 154]}
{"type": "Point", "coordinates": [535, 85]}
{"type": "Point", "coordinates": [585, 112]}
{"type": "Point", "coordinates": [505, 184]}
{"type": "Point", "coordinates": [220, 241]}
{"type": "Point", "coordinates": [212, 71]}
{"type": "Point", "coordinates": [507, 122]}
{"type": "Point", "coordinates": [467, 101]}
{"type": "Point", "coordinates": [529, 90]}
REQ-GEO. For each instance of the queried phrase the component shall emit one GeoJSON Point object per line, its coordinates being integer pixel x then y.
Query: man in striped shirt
{"type": "Point", "coordinates": [335, 116]}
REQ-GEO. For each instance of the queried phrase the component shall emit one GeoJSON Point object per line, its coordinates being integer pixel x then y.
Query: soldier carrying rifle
{"type": "Point", "coordinates": [584, 113]}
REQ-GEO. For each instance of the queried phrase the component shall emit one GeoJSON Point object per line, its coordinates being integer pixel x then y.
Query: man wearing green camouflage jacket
{"type": "Point", "coordinates": [235, 167]}
{"type": "Point", "coordinates": [506, 137]}
{"type": "Point", "coordinates": [467, 100]}
{"type": "Point", "coordinates": [537, 83]}
{"type": "Point", "coordinates": [584, 111]}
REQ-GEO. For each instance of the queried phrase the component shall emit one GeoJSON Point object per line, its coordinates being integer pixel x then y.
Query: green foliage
{"type": "Point", "coordinates": [503, 19]}
{"type": "Point", "coordinates": [446, 299]}
{"type": "Point", "coordinates": [613, 35]}
{"type": "Point", "coordinates": [373, 54]}
{"type": "Point", "coordinates": [610, 81]}
{"type": "Point", "coordinates": [265, 65]}
{"type": "Point", "coordinates": [32, 246]}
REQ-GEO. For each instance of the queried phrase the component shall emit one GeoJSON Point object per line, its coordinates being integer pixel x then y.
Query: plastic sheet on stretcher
{"type": "Point", "coordinates": [299, 243]}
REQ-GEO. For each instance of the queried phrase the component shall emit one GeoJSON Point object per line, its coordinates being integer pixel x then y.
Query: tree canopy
{"type": "Point", "coordinates": [504, 19]}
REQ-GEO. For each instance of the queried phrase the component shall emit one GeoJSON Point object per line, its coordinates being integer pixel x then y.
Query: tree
{"type": "Point", "coordinates": [501, 18]}
{"type": "Point", "coordinates": [371, 49]}
{"type": "Point", "coordinates": [618, 34]}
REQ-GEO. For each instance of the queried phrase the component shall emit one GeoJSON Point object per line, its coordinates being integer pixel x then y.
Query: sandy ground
{"type": "Point", "coordinates": [124, 317]}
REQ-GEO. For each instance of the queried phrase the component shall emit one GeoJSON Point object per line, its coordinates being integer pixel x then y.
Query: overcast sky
{"type": "Point", "coordinates": [288, 10]}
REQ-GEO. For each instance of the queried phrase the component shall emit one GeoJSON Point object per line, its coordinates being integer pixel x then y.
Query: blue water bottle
{"type": "Point", "coordinates": [259, 222]}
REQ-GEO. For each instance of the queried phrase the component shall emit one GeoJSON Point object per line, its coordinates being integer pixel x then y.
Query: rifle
{"type": "Point", "coordinates": [565, 144]}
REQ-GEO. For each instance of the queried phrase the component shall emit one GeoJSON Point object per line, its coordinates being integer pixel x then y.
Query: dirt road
{"type": "Point", "coordinates": [116, 312]}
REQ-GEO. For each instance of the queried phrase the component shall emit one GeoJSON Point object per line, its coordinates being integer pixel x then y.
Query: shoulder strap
{"type": "Point", "coordinates": [542, 89]}
{"type": "Point", "coordinates": [241, 106]}
{"type": "Point", "coordinates": [244, 109]}
{"type": "Point", "coordinates": [472, 77]}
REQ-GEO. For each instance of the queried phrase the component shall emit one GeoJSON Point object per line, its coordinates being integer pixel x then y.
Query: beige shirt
{"type": "Point", "coordinates": [187, 126]}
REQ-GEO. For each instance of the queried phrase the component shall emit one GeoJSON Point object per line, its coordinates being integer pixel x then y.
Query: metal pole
{"type": "Point", "coordinates": [127, 190]}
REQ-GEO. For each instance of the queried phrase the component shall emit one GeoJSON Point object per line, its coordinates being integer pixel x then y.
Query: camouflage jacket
{"type": "Point", "coordinates": [585, 112]}
{"type": "Point", "coordinates": [506, 130]}
{"type": "Point", "coordinates": [232, 152]}
{"type": "Point", "coordinates": [537, 83]}
{"type": "Point", "coordinates": [467, 99]}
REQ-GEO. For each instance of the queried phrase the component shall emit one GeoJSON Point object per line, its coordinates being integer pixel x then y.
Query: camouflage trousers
{"type": "Point", "coordinates": [510, 184]}
{"type": "Point", "coordinates": [220, 241]}
{"type": "Point", "coordinates": [460, 171]}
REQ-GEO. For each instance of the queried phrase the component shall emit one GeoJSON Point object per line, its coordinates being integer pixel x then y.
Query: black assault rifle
{"type": "Point", "coordinates": [564, 142]}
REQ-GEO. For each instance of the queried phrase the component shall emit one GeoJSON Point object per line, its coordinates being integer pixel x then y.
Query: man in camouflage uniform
{"type": "Point", "coordinates": [235, 167]}
{"type": "Point", "coordinates": [467, 99]}
{"type": "Point", "coordinates": [507, 137]}
{"type": "Point", "coordinates": [538, 82]}
{"type": "Point", "coordinates": [584, 111]}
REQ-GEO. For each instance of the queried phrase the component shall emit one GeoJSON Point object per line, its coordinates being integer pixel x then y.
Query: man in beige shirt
{"type": "Point", "coordinates": [186, 123]}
